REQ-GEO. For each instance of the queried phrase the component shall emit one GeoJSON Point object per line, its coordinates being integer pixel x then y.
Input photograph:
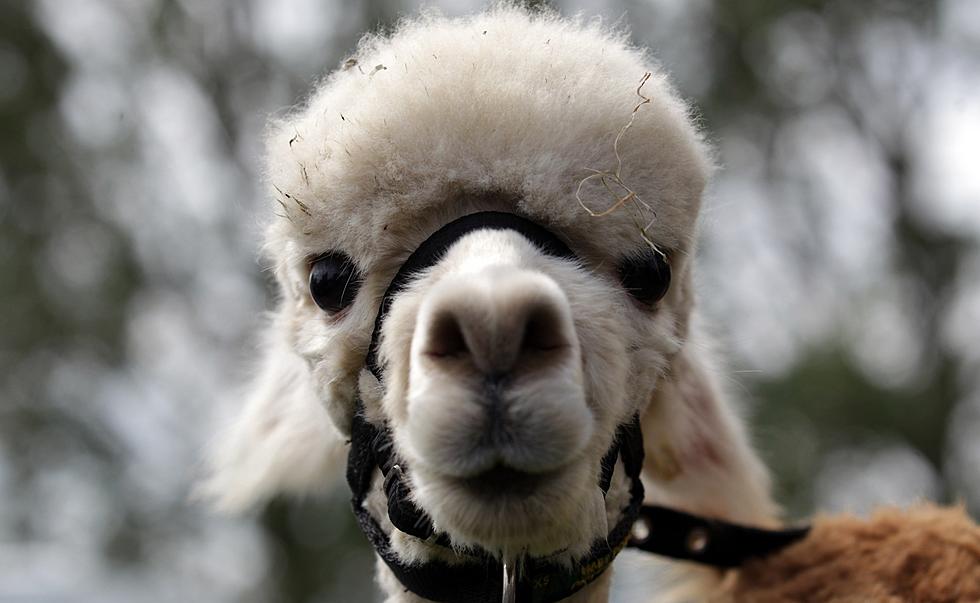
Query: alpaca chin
{"type": "Point", "coordinates": [537, 515]}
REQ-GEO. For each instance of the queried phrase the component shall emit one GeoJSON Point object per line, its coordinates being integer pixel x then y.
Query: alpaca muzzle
{"type": "Point", "coordinates": [480, 576]}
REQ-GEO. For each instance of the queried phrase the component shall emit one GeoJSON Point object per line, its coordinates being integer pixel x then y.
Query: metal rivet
{"type": "Point", "coordinates": [640, 530]}
{"type": "Point", "coordinates": [697, 540]}
{"type": "Point", "coordinates": [510, 582]}
{"type": "Point", "coordinates": [393, 479]}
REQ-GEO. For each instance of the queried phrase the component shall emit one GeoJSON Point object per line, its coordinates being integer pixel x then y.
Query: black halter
{"type": "Point", "coordinates": [478, 577]}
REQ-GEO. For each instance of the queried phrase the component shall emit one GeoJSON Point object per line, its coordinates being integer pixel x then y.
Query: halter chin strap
{"type": "Point", "coordinates": [478, 576]}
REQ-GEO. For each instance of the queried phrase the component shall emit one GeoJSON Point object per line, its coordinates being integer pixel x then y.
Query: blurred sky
{"type": "Point", "coordinates": [840, 264]}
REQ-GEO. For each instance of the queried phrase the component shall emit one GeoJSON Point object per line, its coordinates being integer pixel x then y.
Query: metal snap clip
{"type": "Point", "coordinates": [640, 531]}
{"type": "Point", "coordinates": [697, 540]}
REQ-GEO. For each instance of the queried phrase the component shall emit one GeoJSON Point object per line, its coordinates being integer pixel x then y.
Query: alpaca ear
{"type": "Point", "coordinates": [281, 440]}
{"type": "Point", "coordinates": [698, 455]}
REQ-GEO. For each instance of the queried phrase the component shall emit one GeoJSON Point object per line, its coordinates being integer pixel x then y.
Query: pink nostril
{"type": "Point", "coordinates": [446, 337]}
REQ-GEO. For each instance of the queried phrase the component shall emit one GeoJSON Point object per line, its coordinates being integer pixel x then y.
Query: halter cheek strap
{"type": "Point", "coordinates": [479, 576]}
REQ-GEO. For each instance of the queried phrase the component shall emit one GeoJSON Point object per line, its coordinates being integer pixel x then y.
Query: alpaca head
{"type": "Point", "coordinates": [507, 369]}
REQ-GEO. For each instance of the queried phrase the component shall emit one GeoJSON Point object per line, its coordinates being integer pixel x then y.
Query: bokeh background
{"type": "Point", "coordinates": [840, 267]}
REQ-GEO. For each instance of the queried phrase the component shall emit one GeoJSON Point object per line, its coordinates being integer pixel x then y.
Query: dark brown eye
{"type": "Point", "coordinates": [646, 277]}
{"type": "Point", "coordinates": [334, 281]}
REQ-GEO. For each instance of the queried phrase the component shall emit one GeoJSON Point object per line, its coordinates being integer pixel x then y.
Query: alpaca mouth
{"type": "Point", "coordinates": [503, 481]}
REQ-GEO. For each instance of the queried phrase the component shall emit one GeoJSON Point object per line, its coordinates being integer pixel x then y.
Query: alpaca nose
{"type": "Point", "coordinates": [495, 376]}
{"type": "Point", "coordinates": [498, 322]}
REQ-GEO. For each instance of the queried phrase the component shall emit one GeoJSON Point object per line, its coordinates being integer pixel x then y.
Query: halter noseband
{"type": "Point", "coordinates": [480, 577]}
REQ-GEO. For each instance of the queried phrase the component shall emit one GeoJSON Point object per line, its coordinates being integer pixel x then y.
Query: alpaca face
{"type": "Point", "coordinates": [507, 370]}
{"type": "Point", "coordinates": [507, 383]}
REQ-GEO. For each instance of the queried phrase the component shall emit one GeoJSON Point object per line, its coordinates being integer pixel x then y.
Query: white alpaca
{"type": "Point", "coordinates": [504, 111]}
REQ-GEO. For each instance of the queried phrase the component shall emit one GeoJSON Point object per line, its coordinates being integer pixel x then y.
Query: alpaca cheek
{"type": "Point", "coordinates": [336, 390]}
{"type": "Point", "coordinates": [604, 366]}
{"type": "Point", "coordinates": [700, 451]}
{"type": "Point", "coordinates": [333, 359]}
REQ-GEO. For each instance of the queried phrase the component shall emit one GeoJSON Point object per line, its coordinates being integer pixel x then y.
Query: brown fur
{"type": "Point", "coordinates": [927, 554]}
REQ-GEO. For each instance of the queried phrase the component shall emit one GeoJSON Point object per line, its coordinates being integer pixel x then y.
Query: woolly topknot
{"type": "Point", "coordinates": [508, 101]}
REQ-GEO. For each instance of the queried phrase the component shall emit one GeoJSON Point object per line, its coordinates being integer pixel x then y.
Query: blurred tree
{"type": "Point", "coordinates": [826, 393]}
{"type": "Point", "coordinates": [54, 304]}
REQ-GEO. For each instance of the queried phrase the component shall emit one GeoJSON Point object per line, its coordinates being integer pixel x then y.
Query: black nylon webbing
{"type": "Point", "coordinates": [708, 541]}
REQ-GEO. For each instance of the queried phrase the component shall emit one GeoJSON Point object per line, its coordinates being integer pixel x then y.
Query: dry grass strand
{"type": "Point", "coordinates": [643, 215]}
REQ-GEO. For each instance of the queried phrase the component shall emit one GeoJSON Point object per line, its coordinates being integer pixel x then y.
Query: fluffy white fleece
{"type": "Point", "coordinates": [494, 102]}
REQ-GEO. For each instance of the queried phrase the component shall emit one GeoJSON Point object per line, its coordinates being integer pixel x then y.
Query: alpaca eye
{"type": "Point", "coordinates": [646, 277]}
{"type": "Point", "coordinates": [334, 281]}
